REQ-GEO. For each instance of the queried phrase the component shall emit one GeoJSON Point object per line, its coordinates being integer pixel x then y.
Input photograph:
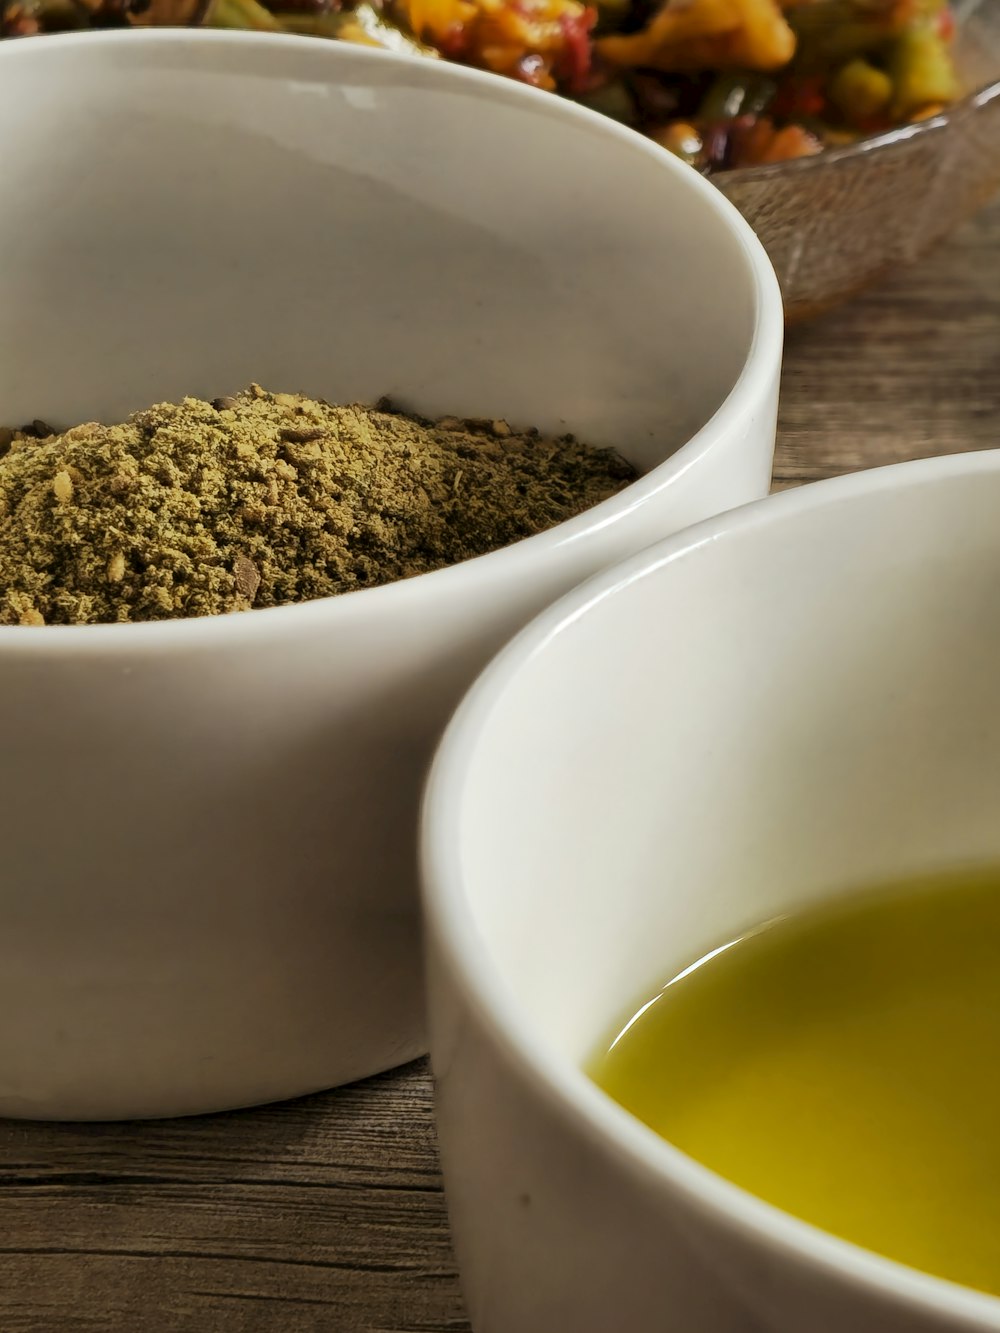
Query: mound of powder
{"type": "Point", "coordinates": [196, 508]}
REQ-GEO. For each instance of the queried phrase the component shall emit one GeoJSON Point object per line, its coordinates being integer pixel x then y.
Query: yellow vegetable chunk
{"type": "Point", "coordinates": [922, 73]}
{"type": "Point", "coordinates": [707, 34]}
{"type": "Point", "coordinates": [859, 91]}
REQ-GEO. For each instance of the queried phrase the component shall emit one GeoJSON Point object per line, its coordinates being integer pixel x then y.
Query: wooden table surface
{"type": "Point", "coordinates": [326, 1213]}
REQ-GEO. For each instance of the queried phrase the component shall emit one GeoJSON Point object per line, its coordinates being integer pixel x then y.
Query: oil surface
{"type": "Point", "coordinates": [843, 1064]}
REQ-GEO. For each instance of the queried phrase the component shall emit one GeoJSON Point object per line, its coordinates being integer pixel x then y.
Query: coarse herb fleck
{"type": "Point", "coordinates": [262, 499]}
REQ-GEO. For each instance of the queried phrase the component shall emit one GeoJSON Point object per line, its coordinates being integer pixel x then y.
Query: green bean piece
{"type": "Point", "coordinates": [314, 25]}
{"type": "Point", "coordinates": [860, 92]}
{"type": "Point", "coordinates": [246, 15]}
{"type": "Point", "coordinates": [737, 94]}
{"type": "Point", "coordinates": [922, 72]}
{"type": "Point", "coordinates": [830, 33]}
{"type": "Point", "coordinates": [613, 99]}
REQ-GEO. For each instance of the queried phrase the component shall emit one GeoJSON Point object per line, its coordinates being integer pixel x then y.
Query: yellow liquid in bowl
{"type": "Point", "coordinates": [844, 1065]}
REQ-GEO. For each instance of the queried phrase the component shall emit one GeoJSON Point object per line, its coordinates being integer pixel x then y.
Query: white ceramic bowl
{"type": "Point", "coordinates": [791, 701]}
{"type": "Point", "coordinates": [208, 827]}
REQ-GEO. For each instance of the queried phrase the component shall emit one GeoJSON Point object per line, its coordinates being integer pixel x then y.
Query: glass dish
{"type": "Point", "coordinates": [834, 223]}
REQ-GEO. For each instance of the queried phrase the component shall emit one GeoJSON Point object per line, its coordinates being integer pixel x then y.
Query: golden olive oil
{"type": "Point", "coordinates": [844, 1065]}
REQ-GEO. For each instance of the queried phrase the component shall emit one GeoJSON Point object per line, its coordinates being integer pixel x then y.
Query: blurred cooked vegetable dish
{"type": "Point", "coordinates": [721, 83]}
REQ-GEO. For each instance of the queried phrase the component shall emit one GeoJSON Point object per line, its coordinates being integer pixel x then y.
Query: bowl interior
{"type": "Point", "coordinates": [187, 212]}
{"type": "Point", "coordinates": [803, 698]}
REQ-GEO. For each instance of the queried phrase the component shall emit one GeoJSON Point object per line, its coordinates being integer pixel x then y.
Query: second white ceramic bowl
{"type": "Point", "coordinates": [208, 827]}
{"type": "Point", "coordinates": [793, 701]}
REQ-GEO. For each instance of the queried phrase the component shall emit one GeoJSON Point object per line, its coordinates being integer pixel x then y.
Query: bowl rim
{"type": "Point", "coordinates": [454, 935]}
{"type": "Point", "coordinates": [887, 141]}
{"type": "Point", "coordinates": [274, 56]}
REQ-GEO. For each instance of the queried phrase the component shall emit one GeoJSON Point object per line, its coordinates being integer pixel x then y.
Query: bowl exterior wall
{"type": "Point", "coordinates": [209, 894]}
{"type": "Point", "coordinates": [552, 1231]}
{"type": "Point", "coordinates": [237, 921]}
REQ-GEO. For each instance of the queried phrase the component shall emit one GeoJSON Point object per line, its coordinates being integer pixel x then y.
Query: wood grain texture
{"type": "Point", "coordinates": [321, 1214]}
{"type": "Point", "coordinates": [909, 370]}
{"type": "Point", "coordinates": [325, 1215]}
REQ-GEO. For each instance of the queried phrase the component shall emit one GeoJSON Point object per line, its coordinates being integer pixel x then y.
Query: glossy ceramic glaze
{"type": "Point", "coordinates": [208, 895]}
{"type": "Point", "coordinates": [792, 701]}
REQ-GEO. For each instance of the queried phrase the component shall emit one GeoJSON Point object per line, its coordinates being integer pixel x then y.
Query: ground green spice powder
{"type": "Point", "coordinates": [197, 508]}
